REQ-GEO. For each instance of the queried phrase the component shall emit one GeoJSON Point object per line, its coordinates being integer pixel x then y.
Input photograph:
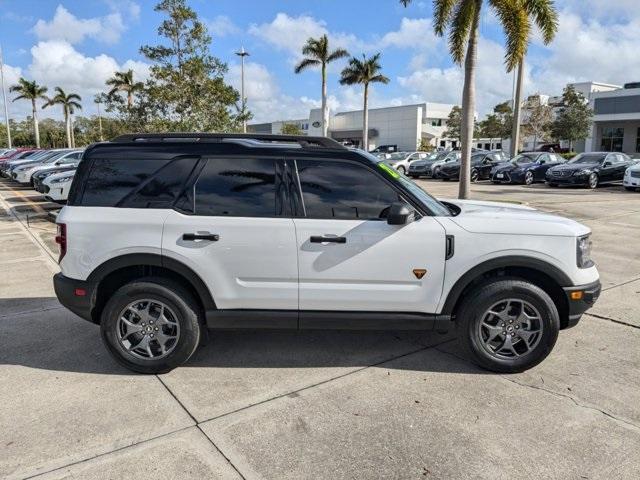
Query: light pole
{"type": "Point", "coordinates": [4, 96]}
{"type": "Point", "coordinates": [243, 53]}
{"type": "Point", "coordinates": [98, 100]}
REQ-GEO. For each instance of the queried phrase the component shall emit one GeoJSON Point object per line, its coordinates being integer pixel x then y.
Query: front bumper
{"type": "Point", "coordinates": [631, 181]}
{"type": "Point", "coordinates": [580, 299]}
{"type": "Point", "coordinates": [69, 292]}
{"type": "Point", "coordinates": [570, 180]}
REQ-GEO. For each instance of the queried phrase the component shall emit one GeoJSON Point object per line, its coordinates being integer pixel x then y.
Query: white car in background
{"type": "Point", "coordinates": [56, 186]}
{"type": "Point", "coordinates": [23, 174]}
{"type": "Point", "coordinates": [631, 180]}
{"type": "Point", "coordinates": [401, 160]}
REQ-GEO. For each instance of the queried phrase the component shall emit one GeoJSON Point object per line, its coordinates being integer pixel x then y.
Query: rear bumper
{"type": "Point", "coordinates": [68, 290]}
{"type": "Point", "coordinates": [577, 306]}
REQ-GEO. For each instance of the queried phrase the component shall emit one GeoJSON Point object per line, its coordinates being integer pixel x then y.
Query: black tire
{"type": "Point", "coordinates": [474, 176]}
{"type": "Point", "coordinates": [172, 295]}
{"type": "Point", "coordinates": [477, 303]}
{"type": "Point", "coordinates": [495, 182]}
{"type": "Point", "coordinates": [414, 176]}
{"type": "Point", "coordinates": [630, 189]}
{"type": "Point", "coordinates": [593, 181]}
{"type": "Point", "coordinates": [402, 170]}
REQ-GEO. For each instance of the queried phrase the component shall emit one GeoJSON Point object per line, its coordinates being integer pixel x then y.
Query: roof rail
{"type": "Point", "coordinates": [301, 140]}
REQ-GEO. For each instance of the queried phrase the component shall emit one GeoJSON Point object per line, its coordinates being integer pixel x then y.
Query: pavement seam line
{"type": "Point", "coordinates": [28, 312]}
{"type": "Point", "coordinates": [197, 425]}
{"type": "Point", "coordinates": [619, 322]}
{"type": "Point", "coordinates": [557, 394]}
{"type": "Point", "coordinates": [323, 382]}
{"type": "Point", "coordinates": [621, 284]}
{"type": "Point", "coordinates": [103, 454]}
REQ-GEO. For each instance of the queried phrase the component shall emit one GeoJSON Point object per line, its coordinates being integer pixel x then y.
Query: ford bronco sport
{"type": "Point", "coordinates": [166, 235]}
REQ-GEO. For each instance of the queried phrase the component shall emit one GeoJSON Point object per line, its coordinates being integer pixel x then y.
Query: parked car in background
{"type": "Point", "coordinates": [526, 168]}
{"type": "Point", "coordinates": [24, 174]}
{"type": "Point", "coordinates": [401, 160]}
{"type": "Point", "coordinates": [5, 167]}
{"type": "Point", "coordinates": [453, 156]}
{"type": "Point", "coordinates": [631, 180]}
{"type": "Point", "coordinates": [590, 169]}
{"type": "Point", "coordinates": [481, 165]}
{"type": "Point", "coordinates": [38, 177]}
{"type": "Point", "coordinates": [385, 149]}
{"type": "Point", "coordinates": [21, 165]}
{"type": "Point", "coordinates": [56, 186]}
{"type": "Point", "coordinates": [18, 153]}
{"type": "Point", "coordinates": [422, 168]}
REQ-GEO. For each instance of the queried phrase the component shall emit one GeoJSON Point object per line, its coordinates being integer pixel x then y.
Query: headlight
{"type": "Point", "coordinates": [62, 179]}
{"type": "Point", "coordinates": [583, 252]}
{"type": "Point", "coordinates": [582, 172]}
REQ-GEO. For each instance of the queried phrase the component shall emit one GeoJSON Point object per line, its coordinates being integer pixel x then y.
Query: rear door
{"type": "Point", "coordinates": [232, 228]}
{"type": "Point", "coordinates": [349, 257]}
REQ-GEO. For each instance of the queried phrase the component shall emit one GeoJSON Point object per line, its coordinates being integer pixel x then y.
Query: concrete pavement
{"type": "Point", "coordinates": [321, 404]}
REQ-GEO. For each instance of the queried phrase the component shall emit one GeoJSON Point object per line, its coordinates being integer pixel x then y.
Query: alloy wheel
{"type": "Point", "coordinates": [593, 180]}
{"type": "Point", "coordinates": [510, 329]}
{"type": "Point", "coordinates": [148, 329]}
{"type": "Point", "coordinates": [474, 175]}
{"type": "Point", "coordinates": [528, 178]}
{"type": "Point", "coordinates": [402, 170]}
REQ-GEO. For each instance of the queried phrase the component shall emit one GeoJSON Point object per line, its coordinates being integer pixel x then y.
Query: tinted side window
{"type": "Point", "coordinates": [109, 181]}
{"type": "Point", "coordinates": [343, 190]}
{"type": "Point", "coordinates": [239, 187]}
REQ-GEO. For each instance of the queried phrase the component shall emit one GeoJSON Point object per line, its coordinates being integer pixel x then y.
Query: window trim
{"type": "Point", "coordinates": [401, 192]}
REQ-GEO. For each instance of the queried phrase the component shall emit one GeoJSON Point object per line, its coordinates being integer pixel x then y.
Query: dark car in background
{"type": "Point", "coordinates": [526, 168]}
{"type": "Point", "coordinates": [481, 165]}
{"type": "Point", "coordinates": [422, 168]}
{"type": "Point", "coordinates": [590, 169]}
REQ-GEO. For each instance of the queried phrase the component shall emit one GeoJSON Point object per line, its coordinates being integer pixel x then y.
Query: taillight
{"type": "Point", "coordinates": [61, 240]}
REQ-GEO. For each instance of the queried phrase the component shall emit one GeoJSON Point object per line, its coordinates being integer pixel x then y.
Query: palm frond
{"type": "Point", "coordinates": [379, 79]}
{"type": "Point", "coordinates": [545, 16]}
{"type": "Point", "coordinates": [442, 13]}
{"type": "Point", "coordinates": [516, 24]}
{"type": "Point", "coordinates": [337, 54]}
{"type": "Point", "coordinates": [306, 63]}
{"type": "Point", "coordinates": [461, 24]}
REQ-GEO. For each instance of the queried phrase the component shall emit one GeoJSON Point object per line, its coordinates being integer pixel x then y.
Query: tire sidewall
{"type": "Point", "coordinates": [177, 300]}
{"type": "Point", "coordinates": [590, 183]}
{"type": "Point", "coordinates": [528, 178]}
{"type": "Point", "coordinates": [485, 298]}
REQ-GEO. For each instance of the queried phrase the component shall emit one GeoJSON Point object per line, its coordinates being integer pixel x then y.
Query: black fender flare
{"type": "Point", "coordinates": [514, 261]}
{"type": "Point", "coordinates": [155, 260]}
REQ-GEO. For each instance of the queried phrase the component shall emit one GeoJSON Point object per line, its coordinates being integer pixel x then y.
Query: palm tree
{"type": "Point", "coordinates": [317, 53]}
{"type": "Point", "coordinates": [123, 82]}
{"type": "Point", "coordinates": [27, 90]}
{"type": "Point", "coordinates": [364, 72]}
{"type": "Point", "coordinates": [70, 103]}
{"type": "Point", "coordinates": [461, 19]}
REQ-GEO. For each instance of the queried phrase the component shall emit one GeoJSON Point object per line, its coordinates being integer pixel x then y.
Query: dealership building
{"type": "Point", "coordinates": [404, 126]}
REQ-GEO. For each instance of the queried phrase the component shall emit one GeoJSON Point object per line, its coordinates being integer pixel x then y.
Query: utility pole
{"type": "Point", "coordinates": [4, 96]}
{"type": "Point", "coordinates": [243, 53]}
{"type": "Point", "coordinates": [98, 101]}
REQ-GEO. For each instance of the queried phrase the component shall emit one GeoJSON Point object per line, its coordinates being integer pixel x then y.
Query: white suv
{"type": "Point", "coordinates": [164, 236]}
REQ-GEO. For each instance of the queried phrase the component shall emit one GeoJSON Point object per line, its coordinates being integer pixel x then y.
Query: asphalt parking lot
{"type": "Point", "coordinates": [321, 404]}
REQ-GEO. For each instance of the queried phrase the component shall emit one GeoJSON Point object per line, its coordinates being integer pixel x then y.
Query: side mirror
{"type": "Point", "coordinates": [400, 214]}
{"type": "Point", "coordinates": [607, 164]}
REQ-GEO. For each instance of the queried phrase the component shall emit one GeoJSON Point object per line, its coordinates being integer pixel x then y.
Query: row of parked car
{"type": "Point", "coordinates": [48, 171]}
{"type": "Point", "coordinates": [585, 169]}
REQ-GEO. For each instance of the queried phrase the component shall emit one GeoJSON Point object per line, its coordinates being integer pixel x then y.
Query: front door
{"type": "Point", "coordinates": [349, 257]}
{"type": "Point", "coordinates": [235, 232]}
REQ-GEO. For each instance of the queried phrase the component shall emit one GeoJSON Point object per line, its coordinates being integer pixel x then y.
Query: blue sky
{"type": "Point", "coordinates": [77, 44]}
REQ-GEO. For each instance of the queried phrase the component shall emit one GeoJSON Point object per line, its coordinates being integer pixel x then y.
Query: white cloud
{"type": "Point", "coordinates": [413, 33]}
{"type": "Point", "coordinates": [66, 26]}
{"type": "Point", "coordinates": [221, 26]}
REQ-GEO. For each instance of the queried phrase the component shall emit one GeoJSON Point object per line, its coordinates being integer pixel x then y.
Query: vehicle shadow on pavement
{"type": "Point", "coordinates": [44, 335]}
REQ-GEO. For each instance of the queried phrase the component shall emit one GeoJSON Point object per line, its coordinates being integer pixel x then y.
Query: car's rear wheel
{"type": "Point", "coordinates": [475, 176]}
{"type": "Point", "coordinates": [508, 325]}
{"type": "Point", "coordinates": [151, 325]}
{"type": "Point", "coordinates": [593, 181]}
{"type": "Point", "coordinates": [402, 170]}
{"type": "Point", "coordinates": [528, 178]}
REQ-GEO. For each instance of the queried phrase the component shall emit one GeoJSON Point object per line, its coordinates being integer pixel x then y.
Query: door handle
{"type": "Point", "coordinates": [200, 236]}
{"type": "Point", "coordinates": [325, 239]}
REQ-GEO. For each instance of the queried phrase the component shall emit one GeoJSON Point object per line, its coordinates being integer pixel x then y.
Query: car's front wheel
{"type": "Point", "coordinates": [402, 170]}
{"type": "Point", "coordinates": [151, 325]}
{"type": "Point", "coordinates": [593, 181]}
{"type": "Point", "coordinates": [475, 175]}
{"type": "Point", "coordinates": [508, 325]}
{"type": "Point", "coordinates": [630, 189]}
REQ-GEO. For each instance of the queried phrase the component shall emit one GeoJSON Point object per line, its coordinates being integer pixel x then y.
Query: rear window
{"type": "Point", "coordinates": [132, 183]}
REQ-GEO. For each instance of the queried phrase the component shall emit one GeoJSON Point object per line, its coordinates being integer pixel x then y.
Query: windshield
{"type": "Point", "coordinates": [591, 158]}
{"type": "Point", "coordinates": [524, 158]}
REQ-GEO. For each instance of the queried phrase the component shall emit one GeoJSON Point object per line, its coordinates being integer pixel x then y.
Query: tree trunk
{"type": "Point", "coordinates": [73, 135]}
{"type": "Point", "coordinates": [535, 142]}
{"type": "Point", "coordinates": [365, 119]}
{"type": "Point", "coordinates": [468, 106]}
{"type": "Point", "coordinates": [325, 108]}
{"type": "Point", "coordinates": [129, 100]}
{"type": "Point", "coordinates": [36, 129]}
{"type": "Point", "coordinates": [515, 129]}
{"type": "Point", "coordinates": [66, 124]}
